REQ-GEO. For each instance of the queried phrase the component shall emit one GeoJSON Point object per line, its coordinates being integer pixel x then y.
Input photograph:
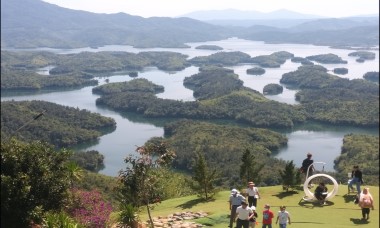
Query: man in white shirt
{"type": "Point", "coordinates": [234, 201]}
{"type": "Point", "coordinates": [243, 215]}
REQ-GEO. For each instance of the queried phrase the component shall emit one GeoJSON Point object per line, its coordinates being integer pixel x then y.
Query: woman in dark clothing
{"type": "Point", "coordinates": [356, 178]}
{"type": "Point", "coordinates": [321, 193]}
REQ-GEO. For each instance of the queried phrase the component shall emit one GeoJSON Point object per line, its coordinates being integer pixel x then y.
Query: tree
{"type": "Point", "coordinates": [139, 181]}
{"type": "Point", "coordinates": [249, 170]}
{"type": "Point", "coordinates": [34, 179]}
{"type": "Point", "coordinates": [290, 176]}
{"type": "Point", "coordinates": [203, 178]}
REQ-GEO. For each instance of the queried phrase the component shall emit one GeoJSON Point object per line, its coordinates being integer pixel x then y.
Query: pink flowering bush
{"type": "Point", "coordinates": [90, 209]}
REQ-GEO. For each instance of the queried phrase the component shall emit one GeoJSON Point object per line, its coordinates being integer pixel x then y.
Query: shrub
{"type": "Point", "coordinates": [90, 209]}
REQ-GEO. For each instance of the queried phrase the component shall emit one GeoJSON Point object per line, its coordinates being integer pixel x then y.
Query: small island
{"type": "Point", "coordinates": [363, 56]}
{"type": "Point", "coordinates": [371, 76]}
{"type": "Point", "coordinates": [256, 71]}
{"type": "Point", "coordinates": [341, 70]}
{"type": "Point", "coordinates": [209, 47]}
{"type": "Point", "coordinates": [273, 89]}
{"type": "Point", "coordinates": [327, 59]}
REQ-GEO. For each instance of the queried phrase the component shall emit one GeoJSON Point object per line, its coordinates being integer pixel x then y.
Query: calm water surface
{"type": "Point", "coordinates": [323, 141]}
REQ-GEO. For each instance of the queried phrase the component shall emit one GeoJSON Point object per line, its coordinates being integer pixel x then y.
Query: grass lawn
{"type": "Point", "coordinates": [340, 211]}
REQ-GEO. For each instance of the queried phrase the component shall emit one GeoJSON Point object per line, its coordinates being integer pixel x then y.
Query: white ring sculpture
{"type": "Point", "coordinates": [310, 195]}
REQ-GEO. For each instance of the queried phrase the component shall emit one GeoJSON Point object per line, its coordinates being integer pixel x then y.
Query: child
{"type": "Point", "coordinates": [252, 217]}
{"type": "Point", "coordinates": [267, 217]}
{"type": "Point", "coordinates": [283, 216]}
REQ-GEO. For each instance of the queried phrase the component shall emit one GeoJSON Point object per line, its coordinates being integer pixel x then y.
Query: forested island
{"type": "Point", "coordinates": [331, 99]}
{"type": "Point", "coordinates": [220, 95]}
{"type": "Point", "coordinates": [58, 125]}
{"type": "Point", "coordinates": [209, 47]}
{"type": "Point", "coordinates": [18, 71]}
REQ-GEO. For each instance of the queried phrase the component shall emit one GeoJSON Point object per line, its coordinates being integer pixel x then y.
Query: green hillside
{"type": "Point", "coordinates": [340, 211]}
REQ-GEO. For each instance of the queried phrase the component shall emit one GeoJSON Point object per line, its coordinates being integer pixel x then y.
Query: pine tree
{"type": "Point", "coordinates": [203, 177]}
{"type": "Point", "coordinates": [290, 176]}
{"type": "Point", "coordinates": [249, 170]}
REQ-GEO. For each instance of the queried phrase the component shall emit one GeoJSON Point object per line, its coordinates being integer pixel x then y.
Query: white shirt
{"type": "Point", "coordinates": [252, 192]}
{"type": "Point", "coordinates": [283, 217]}
{"type": "Point", "coordinates": [243, 213]}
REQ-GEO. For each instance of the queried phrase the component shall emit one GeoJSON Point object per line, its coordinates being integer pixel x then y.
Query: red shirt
{"type": "Point", "coordinates": [267, 217]}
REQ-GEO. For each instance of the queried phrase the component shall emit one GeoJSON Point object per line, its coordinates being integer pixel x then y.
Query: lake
{"type": "Point", "coordinates": [323, 141]}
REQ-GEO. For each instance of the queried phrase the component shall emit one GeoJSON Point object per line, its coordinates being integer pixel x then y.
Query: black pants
{"type": "Point", "coordinates": [365, 211]}
{"type": "Point", "coordinates": [252, 201]}
{"type": "Point", "coordinates": [233, 214]}
{"type": "Point", "coordinates": [242, 223]}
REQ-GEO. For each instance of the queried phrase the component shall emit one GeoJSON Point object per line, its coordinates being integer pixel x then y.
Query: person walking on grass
{"type": "Point", "coordinates": [267, 217]}
{"type": "Point", "coordinates": [253, 216]}
{"type": "Point", "coordinates": [234, 201]}
{"type": "Point", "coordinates": [366, 202]}
{"type": "Point", "coordinates": [243, 213]}
{"type": "Point", "coordinates": [253, 194]}
{"type": "Point", "coordinates": [283, 217]}
{"type": "Point", "coordinates": [356, 178]}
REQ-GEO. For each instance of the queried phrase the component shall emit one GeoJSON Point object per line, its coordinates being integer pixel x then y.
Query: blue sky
{"type": "Point", "coordinates": [174, 8]}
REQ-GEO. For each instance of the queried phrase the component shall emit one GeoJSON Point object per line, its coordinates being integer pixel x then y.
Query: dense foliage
{"type": "Point", "coordinates": [256, 71]}
{"type": "Point", "coordinates": [221, 96]}
{"type": "Point", "coordinates": [136, 85]}
{"type": "Point", "coordinates": [326, 58]}
{"type": "Point", "coordinates": [209, 47]}
{"type": "Point", "coordinates": [89, 160]}
{"type": "Point", "coordinates": [372, 76]}
{"type": "Point", "coordinates": [222, 59]}
{"type": "Point", "coordinates": [331, 99]}
{"type": "Point", "coordinates": [223, 144]}
{"type": "Point", "coordinates": [18, 69]}
{"type": "Point", "coordinates": [273, 60]}
{"type": "Point", "coordinates": [340, 70]}
{"type": "Point", "coordinates": [34, 179]}
{"type": "Point", "coordinates": [361, 150]}
{"type": "Point", "coordinates": [273, 89]}
{"type": "Point", "coordinates": [363, 55]}
{"type": "Point", "coordinates": [61, 126]}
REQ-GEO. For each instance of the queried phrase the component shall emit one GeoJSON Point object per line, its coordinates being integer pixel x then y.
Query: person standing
{"type": "Point", "coordinates": [242, 215]}
{"type": "Point", "coordinates": [252, 217]}
{"type": "Point", "coordinates": [267, 217]}
{"type": "Point", "coordinates": [234, 201]}
{"type": "Point", "coordinates": [307, 164]}
{"type": "Point", "coordinates": [253, 194]}
{"type": "Point", "coordinates": [356, 178]}
{"type": "Point", "coordinates": [283, 217]}
{"type": "Point", "coordinates": [366, 202]}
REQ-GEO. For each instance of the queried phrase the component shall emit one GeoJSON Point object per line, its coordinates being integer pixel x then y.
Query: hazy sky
{"type": "Point", "coordinates": [173, 8]}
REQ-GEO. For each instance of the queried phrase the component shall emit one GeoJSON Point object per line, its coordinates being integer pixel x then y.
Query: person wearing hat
{"type": "Point", "coordinates": [307, 163]}
{"type": "Point", "coordinates": [267, 216]}
{"type": "Point", "coordinates": [356, 178]}
{"type": "Point", "coordinates": [253, 194]}
{"type": "Point", "coordinates": [283, 217]}
{"type": "Point", "coordinates": [234, 201]}
{"type": "Point", "coordinates": [252, 217]}
{"type": "Point", "coordinates": [242, 215]}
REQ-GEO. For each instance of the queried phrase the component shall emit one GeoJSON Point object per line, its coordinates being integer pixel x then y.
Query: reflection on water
{"type": "Point", "coordinates": [132, 130]}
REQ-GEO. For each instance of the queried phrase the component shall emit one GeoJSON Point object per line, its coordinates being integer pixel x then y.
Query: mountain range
{"type": "Point", "coordinates": [34, 23]}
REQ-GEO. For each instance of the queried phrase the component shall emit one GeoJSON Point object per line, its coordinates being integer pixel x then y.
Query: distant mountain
{"type": "Point", "coordinates": [34, 23]}
{"type": "Point", "coordinates": [233, 14]}
{"type": "Point", "coordinates": [336, 24]}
